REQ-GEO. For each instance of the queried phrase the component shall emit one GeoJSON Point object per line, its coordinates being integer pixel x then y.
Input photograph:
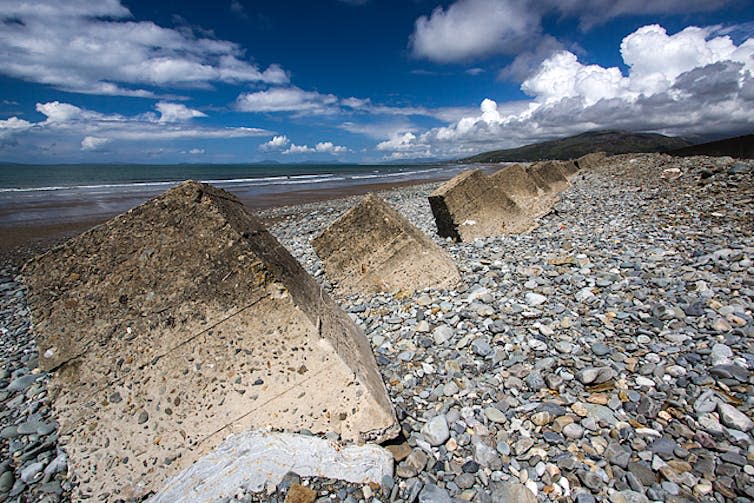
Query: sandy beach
{"type": "Point", "coordinates": [19, 242]}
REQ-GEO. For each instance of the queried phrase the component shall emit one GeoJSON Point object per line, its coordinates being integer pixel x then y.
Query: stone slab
{"type": "Point", "coordinates": [372, 248]}
{"type": "Point", "coordinates": [257, 461]}
{"type": "Point", "coordinates": [184, 320]}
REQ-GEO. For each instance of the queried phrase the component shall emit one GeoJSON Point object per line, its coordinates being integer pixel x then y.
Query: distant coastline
{"type": "Point", "coordinates": [44, 206]}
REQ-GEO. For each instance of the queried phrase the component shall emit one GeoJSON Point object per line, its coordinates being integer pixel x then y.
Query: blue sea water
{"type": "Point", "coordinates": [49, 194]}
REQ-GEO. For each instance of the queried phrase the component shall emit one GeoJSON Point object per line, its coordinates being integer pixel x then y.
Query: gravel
{"type": "Point", "coordinates": [606, 355]}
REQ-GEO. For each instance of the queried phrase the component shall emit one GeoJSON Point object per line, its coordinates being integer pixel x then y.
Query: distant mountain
{"type": "Point", "coordinates": [740, 146]}
{"type": "Point", "coordinates": [611, 142]}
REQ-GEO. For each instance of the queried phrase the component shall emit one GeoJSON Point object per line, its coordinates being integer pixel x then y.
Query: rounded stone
{"type": "Point", "coordinates": [573, 431]}
{"type": "Point", "coordinates": [436, 430]}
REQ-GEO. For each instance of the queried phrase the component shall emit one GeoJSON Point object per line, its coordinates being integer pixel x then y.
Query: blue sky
{"type": "Point", "coordinates": [361, 80]}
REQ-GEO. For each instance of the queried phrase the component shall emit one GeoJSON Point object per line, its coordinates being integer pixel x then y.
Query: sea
{"type": "Point", "coordinates": [51, 194]}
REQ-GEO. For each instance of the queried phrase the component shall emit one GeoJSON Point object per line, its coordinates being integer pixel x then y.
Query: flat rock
{"type": "Point", "coordinates": [512, 492]}
{"type": "Point", "coordinates": [627, 496]}
{"type": "Point", "coordinates": [433, 494]}
{"type": "Point", "coordinates": [734, 418]}
{"type": "Point", "coordinates": [259, 460]}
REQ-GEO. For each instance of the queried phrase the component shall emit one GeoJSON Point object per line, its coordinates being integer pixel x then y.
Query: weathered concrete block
{"type": "Point", "coordinates": [184, 320]}
{"type": "Point", "coordinates": [372, 247]}
{"type": "Point", "coordinates": [551, 174]}
{"type": "Point", "coordinates": [569, 168]}
{"type": "Point", "coordinates": [470, 206]}
{"type": "Point", "coordinates": [590, 160]}
{"type": "Point", "coordinates": [516, 182]}
{"type": "Point", "coordinates": [518, 185]}
{"type": "Point", "coordinates": [258, 460]}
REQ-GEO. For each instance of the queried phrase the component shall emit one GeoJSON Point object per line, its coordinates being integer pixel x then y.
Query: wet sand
{"type": "Point", "coordinates": [18, 243]}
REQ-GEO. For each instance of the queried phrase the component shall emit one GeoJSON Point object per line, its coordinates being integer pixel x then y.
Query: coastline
{"type": "Point", "coordinates": [21, 242]}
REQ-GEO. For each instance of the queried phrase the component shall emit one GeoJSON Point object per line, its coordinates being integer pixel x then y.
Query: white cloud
{"type": "Point", "coordinates": [196, 151]}
{"type": "Point", "coordinates": [657, 59]}
{"type": "Point", "coordinates": [400, 141]}
{"type": "Point", "coordinates": [300, 102]}
{"type": "Point", "coordinates": [472, 29]}
{"type": "Point", "coordinates": [276, 143]}
{"type": "Point", "coordinates": [12, 126]}
{"type": "Point", "coordinates": [378, 130]}
{"type": "Point", "coordinates": [691, 82]}
{"type": "Point", "coordinates": [324, 147]}
{"type": "Point", "coordinates": [328, 146]}
{"type": "Point", "coordinates": [57, 112]}
{"type": "Point", "coordinates": [562, 76]}
{"type": "Point", "coordinates": [176, 112]}
{"type": "Point", "coordinates": [67, 124]}
{"type": "Point", "coordinates": [93, 47]}
{"type": "Point", "coordinates": [92, 143]}
{"type": "Point", "coordinates": [287, 99]}
{"type": "Point", "coordinates": [299, 149]}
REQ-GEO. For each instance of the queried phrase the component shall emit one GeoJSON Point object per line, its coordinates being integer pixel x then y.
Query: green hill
{"type": "Point", "coordinates": [740, 146]}
{"type": "Point", "coordinates": [611, 142]}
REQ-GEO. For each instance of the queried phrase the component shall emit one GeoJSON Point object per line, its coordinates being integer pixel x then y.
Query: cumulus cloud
{"type": "Point", "coordinates": [287, 99]}
{"type": "Point", "coordinates": [325, 147]}
{"type": "Point", "coordinates": [92, 143]}
{"type": "Point", "coordinates": [94, 48]}
{"type": "Point", "coordinates": [328, 146]}
{"type": "Point", "coordinates": [276, 143]}
{"type": "Point", "coordinates": [13, 125]}
{"type": "Point", "coordinates": [176, 112]}
{"type": "Point", "coordinates": [472, 29]}
{"type": "Point", "coordinates": [691, 82]}
{"type": "Point", "coordinates": [400, 141]}
{"type": "Point", "coordinates": [196, 151]}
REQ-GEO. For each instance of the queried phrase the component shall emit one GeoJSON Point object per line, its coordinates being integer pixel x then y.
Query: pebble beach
{"type": "Point", "coordinates": [606, 355]}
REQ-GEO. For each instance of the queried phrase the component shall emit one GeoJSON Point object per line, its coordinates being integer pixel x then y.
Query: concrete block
{"type": "Point", "coordinates": [180, 322]}
{"type": "Point", "coordinates": [551, 174]}
{"type": "Point", "coordinates": [470, 206]}
{"type": "Point", "coordinates": [374, 248]}
{"type": "Point", "coordinates": [520, 187]}
{"type": "Point", "coordinates": [590, 160]}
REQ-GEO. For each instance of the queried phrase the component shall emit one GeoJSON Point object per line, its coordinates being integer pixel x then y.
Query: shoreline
{"type": "Point", "coordinates": [21, 242]}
